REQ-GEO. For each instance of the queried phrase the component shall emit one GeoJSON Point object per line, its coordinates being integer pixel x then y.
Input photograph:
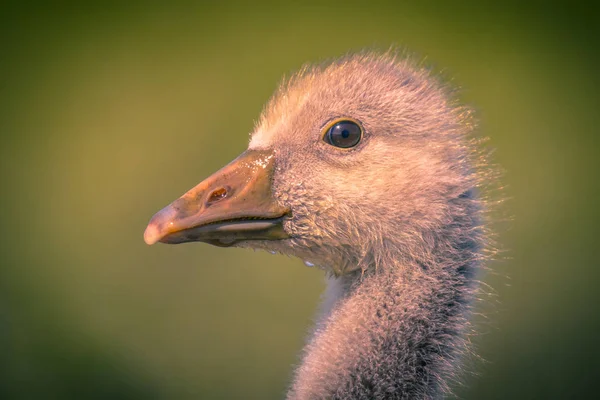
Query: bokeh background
{"type": "Point", "coordinates": [110, 110]}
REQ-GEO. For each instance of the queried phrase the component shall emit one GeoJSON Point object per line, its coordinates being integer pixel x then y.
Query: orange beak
{"type": "Point", "coordinates": [234, 204]}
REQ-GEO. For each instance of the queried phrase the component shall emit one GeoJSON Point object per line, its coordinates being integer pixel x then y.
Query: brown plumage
{"type": "Point", "coordinates": [395, 220]}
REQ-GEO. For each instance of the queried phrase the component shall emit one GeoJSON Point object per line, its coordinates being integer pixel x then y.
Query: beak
{"type": "Point", "coordinates": [234, 204]}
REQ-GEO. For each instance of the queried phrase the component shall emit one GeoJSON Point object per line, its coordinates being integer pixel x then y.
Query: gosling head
{"type": "Point", "coordinates": [349, 163]}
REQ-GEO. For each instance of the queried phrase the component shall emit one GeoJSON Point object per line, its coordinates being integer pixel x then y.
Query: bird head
{"type": "Point", "coordinates": [350, 162]}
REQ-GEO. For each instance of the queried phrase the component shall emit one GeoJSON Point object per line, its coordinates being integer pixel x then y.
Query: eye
{"type": "Point", "coordinates": [344, 134]}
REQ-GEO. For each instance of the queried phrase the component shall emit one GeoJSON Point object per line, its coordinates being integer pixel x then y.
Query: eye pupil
{"type": "Point", "coordinates": [344, 134]}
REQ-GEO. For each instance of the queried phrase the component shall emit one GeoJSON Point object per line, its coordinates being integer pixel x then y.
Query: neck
{"type": "Point", "coordinates": [389, 333]}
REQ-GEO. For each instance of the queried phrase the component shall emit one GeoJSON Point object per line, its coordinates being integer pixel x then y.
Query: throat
{"type": "Point", "coordinates": [387, 334]}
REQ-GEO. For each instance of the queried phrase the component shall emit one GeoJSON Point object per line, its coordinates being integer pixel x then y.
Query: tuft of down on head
{"type": "Point", "coordinates": [404, 195]}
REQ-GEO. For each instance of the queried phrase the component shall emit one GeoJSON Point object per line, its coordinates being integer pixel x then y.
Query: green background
{"type": "Point", "coordinates": [110, 111]}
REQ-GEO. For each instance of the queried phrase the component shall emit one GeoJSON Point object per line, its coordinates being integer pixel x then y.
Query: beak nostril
{"type": "Point", "coordinates": [216, 195]}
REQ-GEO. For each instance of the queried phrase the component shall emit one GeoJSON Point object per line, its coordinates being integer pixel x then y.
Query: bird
{"type": "Point", "coordinates": [368, 167]}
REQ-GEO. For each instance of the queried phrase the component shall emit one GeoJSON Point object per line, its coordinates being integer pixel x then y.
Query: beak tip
{"type": "Point", "coordinates": [159, 225]}
{"type": "Point", "coordinates": [151, 235]}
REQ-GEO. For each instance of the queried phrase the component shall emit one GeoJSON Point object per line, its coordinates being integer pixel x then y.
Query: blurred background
{"type": "Point", "coordinates": [110, 110]}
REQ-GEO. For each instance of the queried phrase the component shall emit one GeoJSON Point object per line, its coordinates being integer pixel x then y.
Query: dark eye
{"type": "Point", "coordinates": [344, 134]}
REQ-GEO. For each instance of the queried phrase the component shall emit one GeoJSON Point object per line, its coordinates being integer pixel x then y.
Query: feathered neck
{"type": "Point", "coordinates": [394, 330]}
